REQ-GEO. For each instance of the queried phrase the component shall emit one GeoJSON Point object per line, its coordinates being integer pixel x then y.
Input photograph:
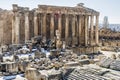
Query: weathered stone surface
{"type": "Point", "coordinates": [10, 67]}
{"type": "Point", "coordinates": [83, 74]}
{"type": "Point", "coordinates": [33, 74]}
{"type": "Point", "coordinates": [5, 26]}
{"type": "Point", "coordinates": [115, 65]}
{"type": "Point", "coordinates": [105, 62]}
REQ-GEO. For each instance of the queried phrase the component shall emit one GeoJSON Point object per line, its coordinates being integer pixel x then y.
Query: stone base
{"type": "Point", "coordinates": [86, 50]}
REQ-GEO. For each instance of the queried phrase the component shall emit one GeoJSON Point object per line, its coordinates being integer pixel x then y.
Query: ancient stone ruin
{"type": "Point", "coordinates": [78, 26]}
{"type": "Point", "coordinates": [53, 43]}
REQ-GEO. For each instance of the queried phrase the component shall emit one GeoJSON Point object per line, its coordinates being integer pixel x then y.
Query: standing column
{"type": "Point", "coordinates": [35, 24]}
{"type": "Point", "coordinates": [80, 29]}
{"type": "Point", "coordinates": [74, 41]}
{"type": "Point", "coordinates": [27, 31]}
{"type": "Point", "coordinates": [13, 28]}
{"type": "Point", "coordinates": [96, 30]}
{"type": "Point", "coordinates": [86, 25]}
{"type": "Point", "coordinates": [91, 30]}
{"type": "Point", "coordinates": [17, 28]}
{"type": "Point", "coordinates": [66, 29]}
{"type": "Point", "coordinates": [59, 25]}
{"type": "Point", "coordinates": [73, 26]}
{"type": "Point", "coordinates": [44, 25]}
{"type": "Point", "coordinates": [52, 26]}
{"type": "Point", "coordinates": [88, 39]}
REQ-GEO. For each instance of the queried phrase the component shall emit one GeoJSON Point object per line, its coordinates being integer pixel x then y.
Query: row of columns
{"type": "Point", "coordinates": [16, 27]}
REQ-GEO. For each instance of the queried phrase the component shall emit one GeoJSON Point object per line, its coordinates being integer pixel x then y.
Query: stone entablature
{"type": "Point", "coordinates": [78, 10]}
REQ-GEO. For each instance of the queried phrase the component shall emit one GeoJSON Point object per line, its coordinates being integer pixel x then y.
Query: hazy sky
{"type": "Point", "coordinates": [108, 8]}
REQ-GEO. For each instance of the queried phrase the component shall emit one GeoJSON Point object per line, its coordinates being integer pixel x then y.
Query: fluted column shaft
{"type": "Point", "coordinates": [52, 26]}
{"type": "Point", "coordinates": [66, 28]}
{"type": "Point", "coordinates": [17, 28]}
{"type": "Point", "coordinates": [86, 31]}
{"type": "Point", "coordinates": [13, 28]}
{"type": "Point", "coordinates": [96, 30]}
{"type": "Point", "coordinates": [91, 29]}
{"type": "Point", "coordinates": [35, 25]}
{"type": "Point", "coordinates": [73, 26]}
{"type": "Point", "coordinates": [59, 24]}
{"type": "Point", "coordinates": [44, 25]}
{"type": "Point", "coordinates": [27, 30]}
{"type": "Point", "coordinates": [80, 29]}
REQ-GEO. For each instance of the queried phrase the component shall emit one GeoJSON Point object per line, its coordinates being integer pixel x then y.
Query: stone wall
{"type": "Point", "coordinates": [5, 26]}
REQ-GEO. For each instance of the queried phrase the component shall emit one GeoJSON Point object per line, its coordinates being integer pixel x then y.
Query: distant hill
{"type": "Point", "coordinates": [1, 9]}
{"type": "Point", "coordinates": [115, 27]}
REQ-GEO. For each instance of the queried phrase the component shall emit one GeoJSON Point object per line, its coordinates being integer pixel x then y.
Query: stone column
{"type": "Point", "coordinates": [74, 32]}
{"type": "Point", "coordinates": [27, 31]}
{"type": "Point", "coordinates": [52, 26]}
{"type": "Point", "coordinates": [88, 39]}
{"type": "Point", "coordinates": [44, 25]}
{"type": "Point", "coordinates": [96, 30]}
{"type": "Point", "coordinates": [66, 28]}
{"type": "Point", "coordinates": [17, 28]}
{"type": "Point", "coordinates": [91, 30]}
{"type": "Point", "coordinates": [80, 29]}
{"type": "Point", "coordinates": [35, 24]}
{"type": "Point", "coordinates": [86, 31]}
{"type": "Point", "coordinates": [73, 26]}
{"type": "Point", "coordinates": [13, 28]}
{"type": "Point", "coordinates": [59, 24]}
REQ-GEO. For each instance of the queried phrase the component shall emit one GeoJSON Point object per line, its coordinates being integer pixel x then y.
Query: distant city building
{"type": "Point", "coordinates": [105, 22]}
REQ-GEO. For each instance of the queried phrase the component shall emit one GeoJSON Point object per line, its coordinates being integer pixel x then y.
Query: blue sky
{"type": "Point", "coordinates": [108, 8]}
